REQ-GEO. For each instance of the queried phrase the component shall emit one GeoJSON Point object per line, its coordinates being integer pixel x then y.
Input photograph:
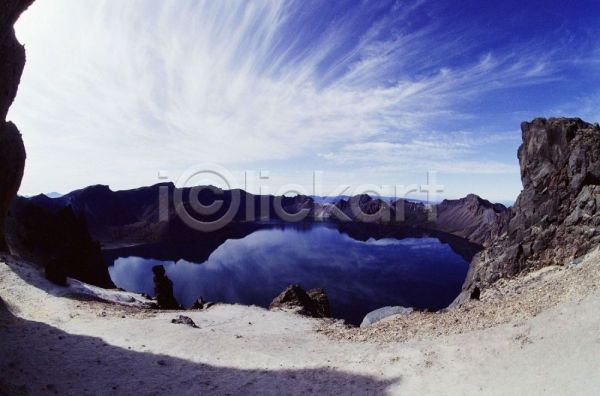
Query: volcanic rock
{"type": "Point", "coordinates": [186, 320]}
{"type": "Point", "coordinates": [199, 304]}
{"type": "Point", "coordinates": [314, 303]}
{"type": "Point", "coordinates": [321, 302]}
{"type": "Point", "coordinates": [556, 218]}
{"type": "Point", "coordinates": [12, 150]}
{"type": "Point", "coordinates": [163, 287]}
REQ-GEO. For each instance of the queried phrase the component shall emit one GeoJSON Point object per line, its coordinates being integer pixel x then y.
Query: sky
{"type": "Point", "coordinates": [369, 93]}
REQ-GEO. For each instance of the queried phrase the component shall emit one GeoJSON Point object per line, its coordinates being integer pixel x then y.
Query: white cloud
{"type": "Point", "coordinates": [115, 90]}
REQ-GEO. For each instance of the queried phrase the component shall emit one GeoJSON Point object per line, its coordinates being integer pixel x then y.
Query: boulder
{"type": "Point", "coordinates": [314, 303]}
{"type": "Point", "coordinates": [381, 313]}
{"type": "Point", "coordinates": [186, 320]}
{"type": "Point", "coordinates": [320, 301]}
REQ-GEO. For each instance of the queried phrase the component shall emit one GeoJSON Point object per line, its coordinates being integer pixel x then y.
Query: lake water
{"type": "Point", "coordinates": [357, 275]}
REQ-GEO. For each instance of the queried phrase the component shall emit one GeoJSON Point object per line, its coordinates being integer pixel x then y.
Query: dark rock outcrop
{"type": "Point", "coordinates": [163, 287]}
{"type": "Point", "coordinates": [556, 218]}
{"type": "Point", "coordinates": [313, 303]}
{"type": "Point", "coordinates": [185, 320]}
{"type": "Point", "coordinates": [320, 302]}
{"type": "Point", "coordinates": [199, 303]}
{"type": "Point", "coordinates": [57, 240]}
{"type": "Point", "coordinates": [12, 150]}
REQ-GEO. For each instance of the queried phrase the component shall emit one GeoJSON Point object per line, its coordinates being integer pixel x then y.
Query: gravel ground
{"type": "Point", "coordinates": [508, 301]}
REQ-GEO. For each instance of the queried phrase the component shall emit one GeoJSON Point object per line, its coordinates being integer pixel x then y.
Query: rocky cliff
{"type": "Point", "coordinates": [12, 151]}
{"type": "Point", "coordinates": [556, 218]}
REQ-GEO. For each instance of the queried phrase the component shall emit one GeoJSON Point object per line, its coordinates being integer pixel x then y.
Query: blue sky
{"type": "Point", "coordinates": [371, 92]}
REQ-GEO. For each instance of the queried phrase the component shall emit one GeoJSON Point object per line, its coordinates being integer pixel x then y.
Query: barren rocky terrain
{"type": "Point", "coordinates": [536, 334]}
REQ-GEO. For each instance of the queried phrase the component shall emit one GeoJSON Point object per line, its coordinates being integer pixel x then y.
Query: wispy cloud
{"type": "Point", "coordinates": [448, 153]}
{"type": "Point", "coordinates": [114, 91]}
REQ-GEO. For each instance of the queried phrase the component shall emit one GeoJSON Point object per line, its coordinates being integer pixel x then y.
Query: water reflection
{"type": "Point", "coordinates": [358, 275]}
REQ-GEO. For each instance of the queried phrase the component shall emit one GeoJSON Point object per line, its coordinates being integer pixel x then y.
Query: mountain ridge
{"type": "Point", "coordinates": [107, 210]}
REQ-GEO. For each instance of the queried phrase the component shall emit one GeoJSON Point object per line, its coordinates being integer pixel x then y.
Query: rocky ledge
{"type": "Point", "coordinates": [556, 218]}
